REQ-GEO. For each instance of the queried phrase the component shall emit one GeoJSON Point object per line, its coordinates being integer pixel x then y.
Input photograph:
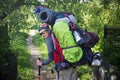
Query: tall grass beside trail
{"type": "Point", "coordinates": [19, 47]}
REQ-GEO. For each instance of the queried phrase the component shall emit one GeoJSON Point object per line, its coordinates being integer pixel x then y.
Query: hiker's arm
{"type": "Point", "coordinates": [48, 60]}
{"type": "Point", "coordinates": [50, 51]}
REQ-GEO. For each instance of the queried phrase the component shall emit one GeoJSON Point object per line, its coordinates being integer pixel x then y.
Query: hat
{"type": "Point", "coordinates": [43, 27]}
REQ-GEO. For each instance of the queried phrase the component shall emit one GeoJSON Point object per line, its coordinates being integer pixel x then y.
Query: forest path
{"type": "Point", "coordinates": [35, 53]}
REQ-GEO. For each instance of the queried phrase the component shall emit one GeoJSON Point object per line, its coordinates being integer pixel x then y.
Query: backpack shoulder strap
{"type": "Point", "coordinates": [57, 47]}
{"type": "Point", "coordinates": [53, 39]}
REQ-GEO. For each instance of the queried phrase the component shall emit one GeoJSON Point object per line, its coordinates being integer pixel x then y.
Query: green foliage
{"type": "Point", "coordinates": [111, 49]}
{"type": "Point", "coordinates": [84, 72]}
{"type": "Point", "coordinates": [19, 47]}
{"type": "Point", "coordinates": [17, 15]}
{"type": "Point", "coordinates": [4, 44]}
{"type": "Point", "coordinates": [38, 40]}
{"type": "Point", "coordinates": [25, 73]}
{"type": "Point", "coordinates": [18, 43]}
{"type": "Point", "coordinates": [13, 17]}
{"type": "Point", "coordinates": [24, 68]}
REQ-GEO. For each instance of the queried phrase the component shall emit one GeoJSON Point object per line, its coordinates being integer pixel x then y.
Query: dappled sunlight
{"type": "Point", "coordinates": [32, 32]}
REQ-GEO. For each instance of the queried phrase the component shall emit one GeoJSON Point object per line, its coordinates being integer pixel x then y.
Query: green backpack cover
{"type": "Point", "coordinates": [65, 38]}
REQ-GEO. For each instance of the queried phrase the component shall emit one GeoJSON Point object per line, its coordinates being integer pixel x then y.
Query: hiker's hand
{"type": "Point", "coordinates": [39, 62]}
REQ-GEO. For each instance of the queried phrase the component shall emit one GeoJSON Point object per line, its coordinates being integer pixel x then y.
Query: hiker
{"type": "Point", "coordinates": [67, 72]}
{"type": "Point", "coordinates": [62, 24]}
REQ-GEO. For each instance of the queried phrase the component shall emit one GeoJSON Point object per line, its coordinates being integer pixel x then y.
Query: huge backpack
{"type": "Point", "coordinates": [69, 36]}
{"type": "Point", "coordinates": [82, 37]}
{"type": "Point", "coordinates": [72, 53]}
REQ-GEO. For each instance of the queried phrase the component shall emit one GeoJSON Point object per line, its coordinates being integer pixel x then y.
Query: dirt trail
{"type": "Point", "coordinates": [35, 53]}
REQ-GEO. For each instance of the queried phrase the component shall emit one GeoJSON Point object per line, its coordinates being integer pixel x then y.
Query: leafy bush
{"type": "Point", "coordinates": [84, 72]}
{"type": "Point", "coordinates": [25, 73]}
{"type": "Point", "coordinates": [19, 47]}
{"type": "Point", "coordinates": [38, 40]}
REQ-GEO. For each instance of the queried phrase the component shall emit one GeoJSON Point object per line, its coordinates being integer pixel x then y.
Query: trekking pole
{"type": "Point", "coordinates": [38, 78]}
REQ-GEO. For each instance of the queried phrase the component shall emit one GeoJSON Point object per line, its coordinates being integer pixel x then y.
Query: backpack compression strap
{"type": "Point", "coordinates": [70, 47]}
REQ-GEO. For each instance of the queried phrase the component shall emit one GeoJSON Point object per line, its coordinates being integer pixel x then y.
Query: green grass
{"type": "Point", "coordinates": [19, 47]}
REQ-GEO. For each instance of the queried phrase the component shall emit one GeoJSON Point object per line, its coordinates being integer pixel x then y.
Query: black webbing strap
{"type": "Point", "coordinates": [70, 47]}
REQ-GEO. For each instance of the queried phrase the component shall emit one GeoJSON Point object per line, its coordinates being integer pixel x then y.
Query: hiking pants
{"type": "Point", "coordinates": [68, 74]}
